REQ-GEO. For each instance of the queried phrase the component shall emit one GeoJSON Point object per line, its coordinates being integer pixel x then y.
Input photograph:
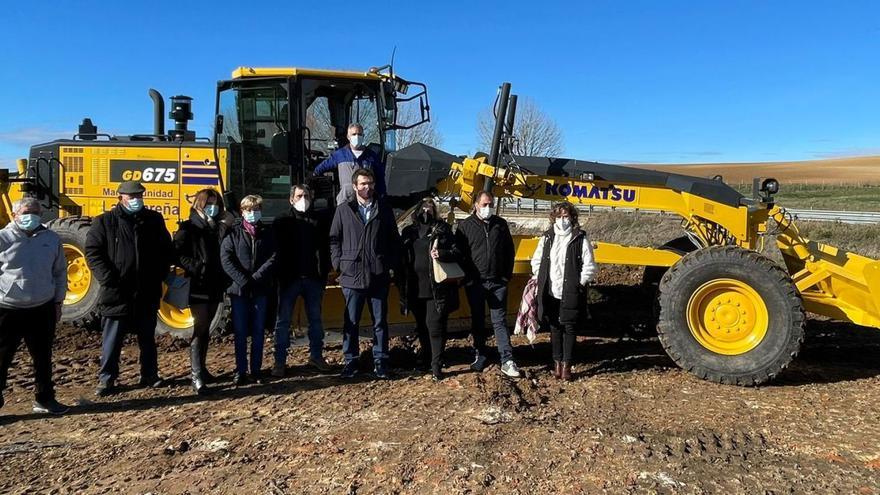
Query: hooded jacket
{"type": "Point", "coordinates": [33, 269]}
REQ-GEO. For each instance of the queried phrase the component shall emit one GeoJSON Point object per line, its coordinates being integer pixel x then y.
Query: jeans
{"type": "Point", "coordinates": [142, 324]}
{"type": "Point", "coordinates": [494, 293]}
{"type": "Point", "coordinates": [562, 337]}
{"type": "Point", "coordinates": [312, 291]}
{"type": "Point", "coordinates": [36, 326]}
{"type": "Point", "coordinates": [377, 297]}
{"type": "Point", "coordinates": [431, 327]}
{"type": "Point", "coordinates": [249, 319]}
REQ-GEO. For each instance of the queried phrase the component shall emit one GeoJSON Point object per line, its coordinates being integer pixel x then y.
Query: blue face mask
{"type": "Point", "coordinates": [253, 216]}
{"type": "Point", "coordinates": [134, 205]}
{"type": "Point", "coordinates": [212, 210]}
{"type": "Point", "coordinates": [28, 221]}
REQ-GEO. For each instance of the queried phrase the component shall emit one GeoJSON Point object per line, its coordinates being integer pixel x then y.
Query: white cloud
{"type": "Point", "coordinates": [32, 135]}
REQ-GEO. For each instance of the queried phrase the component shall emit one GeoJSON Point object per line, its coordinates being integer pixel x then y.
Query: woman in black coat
{"type": "Point", "coordinates": [248, 257]}
{"type": "Point", "coordinates": [197, 245]}
{"type": "Point", "coordinates": [428, 238]}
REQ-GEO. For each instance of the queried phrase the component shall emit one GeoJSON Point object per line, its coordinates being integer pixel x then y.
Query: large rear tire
{"type": "Point", "coordinates": [81, 300]}
{"type": "Point", "coordinates": [730, 315]}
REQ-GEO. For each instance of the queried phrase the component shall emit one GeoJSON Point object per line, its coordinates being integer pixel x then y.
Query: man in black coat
{"type": "Point", "coordinates": [303, 262]}
{"type": "Point", "coordinates": [129, 251]}
{"type": "Point", "coordinates": [487, 249]}
{"type": "Point", "coordinates": [365, 248]}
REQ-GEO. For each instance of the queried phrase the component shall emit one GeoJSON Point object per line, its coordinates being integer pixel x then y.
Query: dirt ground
{"type": "Point", "coordinates": [631, 422]}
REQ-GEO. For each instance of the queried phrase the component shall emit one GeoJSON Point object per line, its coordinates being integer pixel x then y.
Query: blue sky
{"type": "Point", "coordinates": [641, 81]}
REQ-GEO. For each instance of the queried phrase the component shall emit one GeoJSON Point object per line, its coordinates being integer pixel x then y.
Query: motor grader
{"type": "Point", "coordinates": [727, 313]}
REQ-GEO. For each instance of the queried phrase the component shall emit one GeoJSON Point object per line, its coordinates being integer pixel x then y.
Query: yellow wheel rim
{"type": "Point", "coordinates": [79, 277]}
{"type": "Point", "coordinates": [173, 317]}
{"type": "Point", "coordinates": [727, 316]}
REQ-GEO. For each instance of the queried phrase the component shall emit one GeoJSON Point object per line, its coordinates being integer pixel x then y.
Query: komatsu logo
{"type": "Point", "coordinates": [591, 192]}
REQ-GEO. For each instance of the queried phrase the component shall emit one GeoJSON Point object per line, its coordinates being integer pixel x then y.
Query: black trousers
{"type": "Point", "coordinates": [562, 337]}
{"type": "Point", "coordinates": [36, 326]}
{"type": "Point", "coordinates": [143, 324]}
{"type": "Point", "coordinates": [430, 327]}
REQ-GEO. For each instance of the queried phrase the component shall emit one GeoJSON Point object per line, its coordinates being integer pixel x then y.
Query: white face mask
{"type": "Point", "coordinates": [485, 212]}
{"type": "Point", "coordinates": [252, 216]}
{"type": "Point", "coordinates": [357, 141]}
{"type": "Point", "coordinates": [28, 221]}
{"type": "Point", "coordinates": [563, 223]}
{"type": "Point", "coordinates": [301, 205]}
{"type": "Point", "coordinates": [135, 204]}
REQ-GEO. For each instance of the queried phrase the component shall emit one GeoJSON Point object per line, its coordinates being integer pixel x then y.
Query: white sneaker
{"type": "Point", "coordinates": [509, 368]}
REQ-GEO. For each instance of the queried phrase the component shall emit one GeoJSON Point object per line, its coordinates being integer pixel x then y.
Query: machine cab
{"type": "Point", "coordinates": [277, 125]}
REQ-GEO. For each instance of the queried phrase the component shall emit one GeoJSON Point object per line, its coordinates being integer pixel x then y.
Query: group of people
{"type": "Point", "coordinates": [129, 252]}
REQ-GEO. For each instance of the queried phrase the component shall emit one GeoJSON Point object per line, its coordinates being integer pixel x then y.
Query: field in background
{"type": "Point", "coordinates": [838, 171]}
{"type": "Point", "coordinates": [851, 184]}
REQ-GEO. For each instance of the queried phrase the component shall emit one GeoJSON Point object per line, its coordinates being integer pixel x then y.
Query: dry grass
{"type": "Point", "coordinates": [654, 230]}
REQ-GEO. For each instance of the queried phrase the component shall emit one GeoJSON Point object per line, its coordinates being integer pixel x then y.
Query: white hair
{"type": "Point", "coordinates": [27, 202]}
{"type": "Point", "coordinates": [355, 126]}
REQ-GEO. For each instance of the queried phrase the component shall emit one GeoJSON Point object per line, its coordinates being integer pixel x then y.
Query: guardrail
{"type": "Point", "coordinates": [533, 207]}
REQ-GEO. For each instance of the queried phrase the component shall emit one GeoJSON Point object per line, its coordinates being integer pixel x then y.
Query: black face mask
{"type": "Point", "coordinates": [425, 217]}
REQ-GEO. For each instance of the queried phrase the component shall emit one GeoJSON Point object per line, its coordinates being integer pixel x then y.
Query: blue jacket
{"type": "Point", "coordinates": [345, 163]}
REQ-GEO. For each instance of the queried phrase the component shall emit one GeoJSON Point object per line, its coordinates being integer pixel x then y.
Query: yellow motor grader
{"type": "Point", "coordinates": [726, 312]}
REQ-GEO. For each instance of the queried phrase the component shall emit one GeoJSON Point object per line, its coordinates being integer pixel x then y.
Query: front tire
{"type": "Point", "coordinates": [81, 300]}
{"type": "Point", "coordinates": [730, 315]}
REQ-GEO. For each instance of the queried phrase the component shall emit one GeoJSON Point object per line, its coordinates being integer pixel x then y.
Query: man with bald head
{"type": "Point", "coordinates": [349, 158]}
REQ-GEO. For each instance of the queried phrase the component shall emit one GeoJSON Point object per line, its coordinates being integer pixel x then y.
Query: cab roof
{"type": "Point", "coordinates": [247, 72]}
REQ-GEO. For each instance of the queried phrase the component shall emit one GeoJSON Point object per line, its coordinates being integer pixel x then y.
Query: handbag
{"type": "Point", "coordinates": [177, 292]}
{"type": "Point", "coordinates": [446, 271]}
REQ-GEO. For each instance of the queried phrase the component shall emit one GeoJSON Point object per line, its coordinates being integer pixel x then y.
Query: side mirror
{"type": "Point", "coordinates": [389, 96]}
{"type": "Point", "coordinates": [279, 146]}
{"type": "Point", "coordinates": [218, 124]}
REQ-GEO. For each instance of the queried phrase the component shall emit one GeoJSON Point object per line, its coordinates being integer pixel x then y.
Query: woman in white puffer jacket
{"type": "Point", "coordinates": [563, 263]}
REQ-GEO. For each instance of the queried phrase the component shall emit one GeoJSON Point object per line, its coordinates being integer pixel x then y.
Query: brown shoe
{"type": "Point", "coordinates": [566, 371]}
{"type": "Point", "coordinates": [557, 369]}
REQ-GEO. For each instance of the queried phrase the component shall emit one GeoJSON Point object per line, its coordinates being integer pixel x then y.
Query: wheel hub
{"type": "Point", "coordinates": [727, 316]}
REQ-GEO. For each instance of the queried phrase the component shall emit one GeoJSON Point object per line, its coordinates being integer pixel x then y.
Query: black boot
{"type": "Point", "coordinates": [197, 364]}
{"type": "Point", "coordinates": [206, 376]}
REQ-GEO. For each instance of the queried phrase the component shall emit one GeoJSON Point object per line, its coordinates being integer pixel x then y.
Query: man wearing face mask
{"type": "Point", "coordinates": [33, 282]}
{"type": "Point", "coordinates": [364, 249]}
{"type": "Point", "coordinates": [349, 158]}
{"type": "Point", "coordinates": [487, 248]}
{"type": "Point", "coordinates": [303, 262]}
{"type": "Point", "coordinates": [129, 251]}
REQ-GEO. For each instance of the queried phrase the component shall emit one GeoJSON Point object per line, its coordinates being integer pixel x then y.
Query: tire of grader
{"type": "Point", "coordinates": [730, 315]}
{"type": "Point", "coordinates": [81, 300]}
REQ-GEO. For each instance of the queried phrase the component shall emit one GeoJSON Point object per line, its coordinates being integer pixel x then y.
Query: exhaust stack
{"type": "Point", "coordinates": [158, 114]}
